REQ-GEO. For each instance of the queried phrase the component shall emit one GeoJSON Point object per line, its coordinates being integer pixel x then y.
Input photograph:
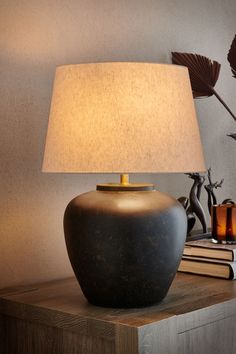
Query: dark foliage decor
{"type": "Point", "coordinates": [203, 72]}
{"type": "Point", "coordinates": [232, 57]}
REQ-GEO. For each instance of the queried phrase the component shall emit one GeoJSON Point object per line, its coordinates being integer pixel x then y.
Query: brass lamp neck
{"type": "Point", "coordinates": [124, 179]}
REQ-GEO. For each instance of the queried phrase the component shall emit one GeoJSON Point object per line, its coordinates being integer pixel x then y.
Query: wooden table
{"type": "Point", "coordinates": [198, 316]}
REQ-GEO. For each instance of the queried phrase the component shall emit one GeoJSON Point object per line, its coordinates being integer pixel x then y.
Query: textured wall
{"type": "Point", "coordinates": [35, 37]}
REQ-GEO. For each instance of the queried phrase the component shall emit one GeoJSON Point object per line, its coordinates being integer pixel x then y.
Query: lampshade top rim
{"type": "Point", "coordinates": [121, 63]}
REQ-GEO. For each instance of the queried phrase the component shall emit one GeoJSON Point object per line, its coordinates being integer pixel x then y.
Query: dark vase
{"type": "Point", "coordinates": [125, 247]}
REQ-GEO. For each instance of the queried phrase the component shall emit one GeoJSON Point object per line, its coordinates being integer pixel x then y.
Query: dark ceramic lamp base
{"type": "Point", "coordinates": [125, 245]}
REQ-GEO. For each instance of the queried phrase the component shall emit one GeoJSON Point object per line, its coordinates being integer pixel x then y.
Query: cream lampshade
{"type": "Point", "coordinates": [124, 240]}
{"type": "Point", "coordinates": [122, 117]}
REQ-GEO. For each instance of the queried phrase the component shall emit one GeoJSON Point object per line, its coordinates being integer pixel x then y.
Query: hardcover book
{"type": "Point", "coordinates": [210, 267]}
{"type": "Point", "coordinates": [207, 249]}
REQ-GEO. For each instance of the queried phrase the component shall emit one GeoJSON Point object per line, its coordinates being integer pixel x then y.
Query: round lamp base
{"type": "Point", "coordinates": [125, 246]}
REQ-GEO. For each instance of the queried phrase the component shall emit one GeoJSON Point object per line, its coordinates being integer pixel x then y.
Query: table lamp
{"type": "Point", "coordinates": [124, 240]}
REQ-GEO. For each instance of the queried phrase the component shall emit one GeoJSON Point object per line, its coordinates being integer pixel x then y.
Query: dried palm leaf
{"type": "Point", "coordinates": [203, 74]}
{"type": "Point", "coordinates": [232, 57]}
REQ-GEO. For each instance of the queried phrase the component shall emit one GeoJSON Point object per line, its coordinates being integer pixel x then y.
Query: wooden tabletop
{"type": "Point", "coordinates": [188, 293]}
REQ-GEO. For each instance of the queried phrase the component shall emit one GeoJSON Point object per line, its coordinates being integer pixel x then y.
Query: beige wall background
{"type": "Point", "coordinates": [35, 37]}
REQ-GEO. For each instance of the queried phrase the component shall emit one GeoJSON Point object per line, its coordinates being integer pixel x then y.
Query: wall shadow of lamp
{"type": "Point", "coordinates": [124, 240]}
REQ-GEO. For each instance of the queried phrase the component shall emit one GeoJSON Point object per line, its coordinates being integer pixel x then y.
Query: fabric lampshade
{"type": "Point", "coordinates": [122, 118]}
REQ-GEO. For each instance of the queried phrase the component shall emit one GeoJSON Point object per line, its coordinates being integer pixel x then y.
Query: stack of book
{"type": "Point", "coordinates": [207, 258]}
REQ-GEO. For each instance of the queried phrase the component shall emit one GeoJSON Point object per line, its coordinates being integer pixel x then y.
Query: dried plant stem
{"type": "Point", "coordinates": [224, 104]}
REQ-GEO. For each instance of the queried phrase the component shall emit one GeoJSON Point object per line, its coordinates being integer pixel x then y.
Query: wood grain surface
{"type": "Point", "coordinates": [55, 316]}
